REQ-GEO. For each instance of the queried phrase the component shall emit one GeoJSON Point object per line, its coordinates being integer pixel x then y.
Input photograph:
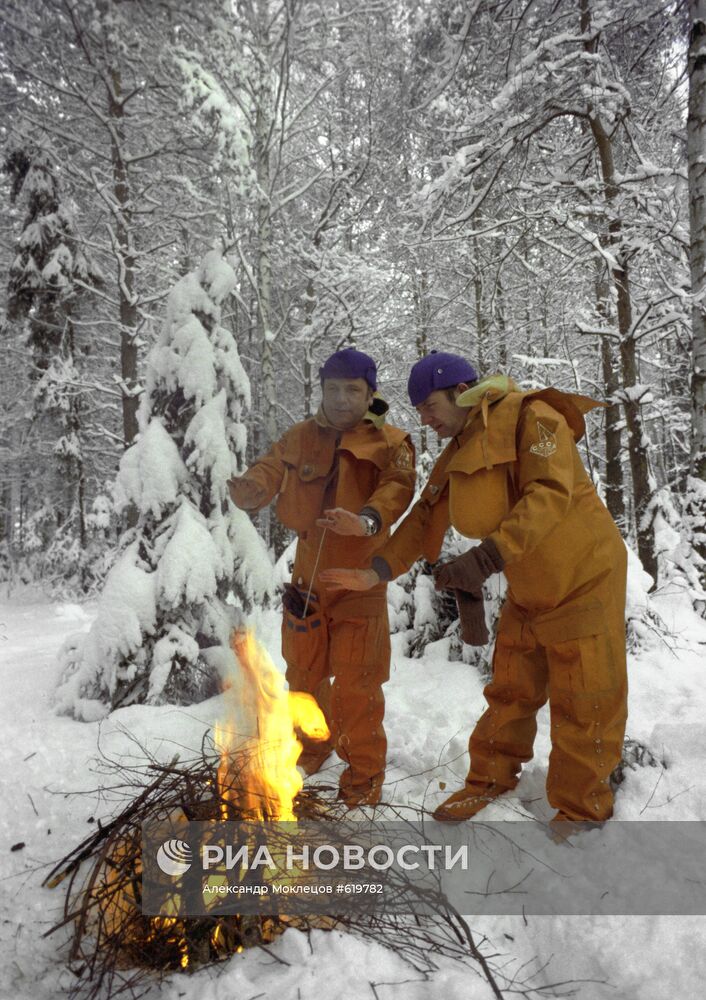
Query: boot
{"type": "Point", "coordinates": [366, 794]}
{"type": "Point", "coordinates": [465, 803]}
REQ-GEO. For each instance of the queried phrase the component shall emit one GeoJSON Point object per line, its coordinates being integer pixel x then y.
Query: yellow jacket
{"type": "Point", "coordinates": [514, 474]}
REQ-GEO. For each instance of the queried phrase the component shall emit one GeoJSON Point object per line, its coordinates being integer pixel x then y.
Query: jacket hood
{"type": "Point", "coordinates": [376, 414]}
{"type": "Point", "coordinates": [494, 386]}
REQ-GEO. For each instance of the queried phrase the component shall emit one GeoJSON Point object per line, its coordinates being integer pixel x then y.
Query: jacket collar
{"type": "Point", "coordinates": [479, 398]}
{"type": "Point", "coordinates": [492, 387]}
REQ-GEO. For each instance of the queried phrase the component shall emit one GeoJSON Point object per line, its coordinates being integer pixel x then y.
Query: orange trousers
{"type": "Point", "coordinates": [585, 680]}
{"type": "Point", "coordinates": [343, 662]}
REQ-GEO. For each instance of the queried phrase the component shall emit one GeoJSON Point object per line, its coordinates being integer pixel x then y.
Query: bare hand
{"type": "Point", "coordinates": [349, 579]}
{"type": "Point", "coordinates": [342, 522]}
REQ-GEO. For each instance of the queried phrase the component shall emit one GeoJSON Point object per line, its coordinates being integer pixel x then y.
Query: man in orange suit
{"type": "Point", "coordinates": [512, 476]}
{"type": "Point", "coordinates": [342, 478]}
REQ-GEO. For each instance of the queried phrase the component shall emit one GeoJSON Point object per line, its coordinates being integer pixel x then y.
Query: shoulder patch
{"type": "Point", "coordinates": [546, 441]}
{"type": "Point", "coordinates": [403, 456]}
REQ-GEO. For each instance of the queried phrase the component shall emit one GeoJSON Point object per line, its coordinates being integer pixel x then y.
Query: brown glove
{"type": "Point", "coordinates": [245, 493]}
{"type": "Point", "coordinates": [470, 571]}
{"type": "Point", "coordinates": [471, 613]}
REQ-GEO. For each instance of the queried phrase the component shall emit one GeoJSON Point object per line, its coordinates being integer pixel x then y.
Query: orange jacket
{"type": "Point", "coordinates": [514, 474]}
{"type": "Point", "coordinates": [314, 466]}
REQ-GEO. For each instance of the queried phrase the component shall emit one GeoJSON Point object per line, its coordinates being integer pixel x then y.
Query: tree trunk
{"type": "Point", "coordinates": [264, 282]}
{"type": "Point", "coordinates": [501, 324]}
{"type": "Point", "coordinates": [420, 285]}
{"type": "Point", "coordinates": [309, 308]}
{"type": "Point", "coordinates": [77, 475]}
{"type": "Point", "coordinates": [638, 445]}
{"type": "Point", "coordinates": [126, 264]}
{"type": "Point", "coordinates": [696, 129]}
{"type": "Point", "coordinates": [277, 535]}
{"type": "Point", "coordinates": [480, 323]}
{"type": "Point", "coordinates": [614, 484]}
{"type": "Point", "coordinates": [126, 275]}
{"type": "Point", "coordinates": [696, 144]}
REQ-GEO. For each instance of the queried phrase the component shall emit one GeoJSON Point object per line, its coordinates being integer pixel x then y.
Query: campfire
{"type": "Point", "coordinates": [261, 781]}
{"type": "Point", "coordinates": [246, 772]}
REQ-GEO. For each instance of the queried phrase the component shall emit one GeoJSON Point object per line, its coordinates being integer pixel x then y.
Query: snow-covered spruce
{"type": "Point", "coordinates": [163, 620]}
{"type": "Point", "coordinates": [47, 283]}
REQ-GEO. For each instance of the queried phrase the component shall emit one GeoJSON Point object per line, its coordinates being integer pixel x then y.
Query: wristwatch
{"type": "Point", "coordinates": [369, 523]}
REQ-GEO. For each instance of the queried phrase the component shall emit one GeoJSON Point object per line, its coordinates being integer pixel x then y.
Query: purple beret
{"type": "Point", "coordinates": [350, 363]}
{"type": "Point", "coordinates": [438, 371]}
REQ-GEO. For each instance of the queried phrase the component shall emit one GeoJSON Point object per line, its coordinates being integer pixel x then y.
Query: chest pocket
{"type": "Point", "coordinates": [302, 491]}
{"type": "Point", "coordinates": [478, 502]}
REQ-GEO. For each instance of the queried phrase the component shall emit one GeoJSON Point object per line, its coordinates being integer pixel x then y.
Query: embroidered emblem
{"type": "Point", "coordinates": [403, 458]}
{"type": "Point", "coordinates": [546, 445]}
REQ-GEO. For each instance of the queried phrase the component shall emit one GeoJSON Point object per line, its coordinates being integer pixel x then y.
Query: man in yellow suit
{"type": "Point", "coordinates": [342, 477]}
{"type": "Point", "coordinates": [512, 476]}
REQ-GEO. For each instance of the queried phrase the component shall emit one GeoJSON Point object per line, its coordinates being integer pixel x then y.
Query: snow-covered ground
{"type": "Point", "coordinates": [432, 705]}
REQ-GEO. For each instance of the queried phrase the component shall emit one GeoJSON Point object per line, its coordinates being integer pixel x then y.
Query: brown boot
{"type": "Point", "coordinates": [585, 823]}
{"type": "Point", "coordinates": [561, 828]}
{"type": "Point", "coordinates": [365, 794]}
{"type": "Point", "coordinates": [464, 803]}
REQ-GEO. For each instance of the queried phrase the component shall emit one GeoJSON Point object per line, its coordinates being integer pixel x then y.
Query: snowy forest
{"type": "Point", "coordinates": [201, 203]}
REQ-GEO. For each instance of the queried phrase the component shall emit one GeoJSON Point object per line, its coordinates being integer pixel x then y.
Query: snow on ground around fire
{"type": "Point", "coordinates": [431, 705]}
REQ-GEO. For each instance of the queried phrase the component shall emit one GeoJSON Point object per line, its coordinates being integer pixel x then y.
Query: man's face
{"type": "Point", "coordinates": [346, 401]}
{"type": "Point", "coordinates": [441, 413]}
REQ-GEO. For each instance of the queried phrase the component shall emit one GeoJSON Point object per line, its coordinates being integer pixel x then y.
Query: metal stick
{"type": "Point", "coordinates": [313, 573]}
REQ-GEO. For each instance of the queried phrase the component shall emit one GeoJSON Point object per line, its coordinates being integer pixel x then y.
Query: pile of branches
{"type": "Point", "coordinates": [116, 948]}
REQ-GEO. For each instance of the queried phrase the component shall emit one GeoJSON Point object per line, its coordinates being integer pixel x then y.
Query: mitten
{"type": "Point", "coordinates": [470, 571]}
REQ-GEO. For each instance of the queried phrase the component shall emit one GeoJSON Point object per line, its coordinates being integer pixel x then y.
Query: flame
{"type": "Point", "coordinates": [267, 776]}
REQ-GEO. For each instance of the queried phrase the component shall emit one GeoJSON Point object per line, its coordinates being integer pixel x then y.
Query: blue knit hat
{"type": "Point", "coordinates": [438, 370]}
{"type": "Point", "coordinates": [350, 363]}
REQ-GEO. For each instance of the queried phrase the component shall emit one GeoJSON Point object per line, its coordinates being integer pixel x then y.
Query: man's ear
{"type": "Point", "coordinates": [461, 387]}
